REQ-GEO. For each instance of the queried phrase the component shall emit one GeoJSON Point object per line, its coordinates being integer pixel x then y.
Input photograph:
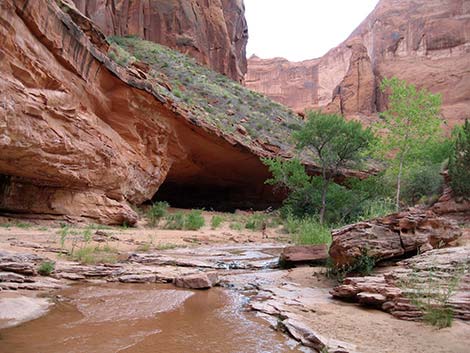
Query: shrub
{"type": "Point", "coordinates": [431, 293]}
{"type": "Point", "coordinates": [216, 221]}
{"type": "Point", "coordinates": [459, 163]}
{"type": "Point", "coordinates": [144, 247]}
{"type": "Point", "coordinates": [421, 183]}
{"type": "Point", "coordinates": [174, 221]}
{"type": "Point", "coordinates": [63, 232]}
{"type": "Point", "coordinates": [194, 220]}
{"type": "Point", "coordinates": [120, 56]}
{"type": "Point", "coordinates": [92, 255]}
{"type": "Point", "coordinates": [376, 208]}
{"type": "Point", "coordinates": [166, 246]}
{"type": "Point", "coordinates": [46, 268]}
{"type": "Point", "coordinates": [363, 265]}
{"type": "Point", "coordinates": [256, 221]}
{"type": "Point", "coordinates": [156, 212]}
{"type": "Point", "coordinates": [236, 226]}
{"type": "Point", "coordinates": [311, 232]}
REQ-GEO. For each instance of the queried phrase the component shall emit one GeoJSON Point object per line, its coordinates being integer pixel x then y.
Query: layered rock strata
{"type": "Point", "coordinates": [405, 233]}
{"type": "Point", "coordinates": [426, 43]}
{"type": "Point", "coordinates": [82, 138]}
{"type": "Point", "coordinates": [214, 32]}
{"type": "Point", "coordinates": [426, 278]}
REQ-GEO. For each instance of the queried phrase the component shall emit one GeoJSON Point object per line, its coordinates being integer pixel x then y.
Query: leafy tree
{"type": "Point", "coordinates": [459, 163]}
{"type": "Point", "coordinates": [334, 143]}
{"type": "Point", "coordinates": [411, 122]}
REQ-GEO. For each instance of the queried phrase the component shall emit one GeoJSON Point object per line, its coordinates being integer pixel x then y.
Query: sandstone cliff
{"type": "Point", "coordinates": [83, 136]}
{"type": "Point", "coordinates": [212, 31]}
{"type": "Point", "coordinates": [426, 43]}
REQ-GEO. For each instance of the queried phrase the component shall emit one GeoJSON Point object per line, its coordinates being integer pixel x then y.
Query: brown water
{"type": "Point", "coordinates": [143, 319]}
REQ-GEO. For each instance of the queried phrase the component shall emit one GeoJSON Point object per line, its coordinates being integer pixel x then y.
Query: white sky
{"type": "Point", "coordinates": [301, 29]}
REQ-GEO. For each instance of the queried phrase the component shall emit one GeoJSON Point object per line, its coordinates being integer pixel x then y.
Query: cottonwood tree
{"type": "Point", "coordinates": [334, 144]}
{"type": "Point", "coordinates": [410, 123]}
{"type": "Point", "coordinates": [459, 162]}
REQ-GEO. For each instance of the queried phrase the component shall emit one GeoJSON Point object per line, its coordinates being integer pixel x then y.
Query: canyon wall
{"type": "Point", "coordinates": [214, 32]}
{"type": "Point", "coordinates": [426, 43]}
{"type": "Point", "coordinates": [82, 137]}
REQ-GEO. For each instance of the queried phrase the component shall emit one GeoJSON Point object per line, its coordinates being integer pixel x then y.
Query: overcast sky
{"type": "Point", "coordinates": [301, 29]}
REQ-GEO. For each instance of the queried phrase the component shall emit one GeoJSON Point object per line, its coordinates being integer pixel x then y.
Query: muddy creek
{"type": "Point", "coordinates": [145, 318]}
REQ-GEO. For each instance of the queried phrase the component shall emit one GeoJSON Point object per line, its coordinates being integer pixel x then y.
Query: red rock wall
{"type": "Point", "coordinates": [83, 138]}
{"type": "Point", "coordinates": [426, 43]}
{"type": "Point", "coordinates": [212, 31]}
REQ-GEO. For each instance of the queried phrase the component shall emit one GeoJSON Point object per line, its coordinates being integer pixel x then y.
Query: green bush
{"type": "Point", "coordinates": [156, 212]}
{"type": "Point", "coordinates": [459, 163]}
{"type": "Point", "coordinates": [46, 268]}
{"type": "Point", "coordinates": [174, 221]}
{"type": "Point", "coordinates": [311, 232]}
{"type": "Point", "coordinates": [191, 221]}
{"type": "Point", "coordinates": [216, 221]}
{"type": "Point", "coordinates": [376, 208]}
{"type": "Point", "coordinates": [194, 220]}
{"type": "Point", "coordinates": [120, 56]}
{"type": "Point", "coordinates": [256, 221]}
{"type": "Point", "coordinates": [92, 255]}
{"type": "Point", "coordinates": [211, 97]}
{"type": "Point", "coordinates": [236, 226]}
{"type": "Point", "coordinates": [363, 265]}
{"type": "Point", "coordinates": [421, 183]}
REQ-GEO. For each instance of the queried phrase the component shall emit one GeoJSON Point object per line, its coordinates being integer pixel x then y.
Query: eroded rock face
{"type": "Point", "coordinates": [426, 43]}
{"type": "Point", "coordinates": [411, 231]}
{"type": "Point", "coordinates": [427, 274]}
{"type": "Point", "coordinates": [82, 138]}
{"type": "Point", "coordinates": [214, 32]}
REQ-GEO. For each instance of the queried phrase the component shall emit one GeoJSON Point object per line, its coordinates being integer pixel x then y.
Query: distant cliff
{"type": "Point", "coordinates": [214, 32]}
{"type": "Point", "coordinates": [426, 43]}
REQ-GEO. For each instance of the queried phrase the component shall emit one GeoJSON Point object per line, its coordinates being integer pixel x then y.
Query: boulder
{"type": "Point", "coordinates": [392, 236]}
{"type": "Point", "coordinates": [303, 254]}
{"type": "Point", "coordinates": [202, 280]}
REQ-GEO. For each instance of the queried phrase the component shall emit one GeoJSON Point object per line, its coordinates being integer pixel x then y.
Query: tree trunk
{"type": "Point", "coordinates": [399, 184]}
{"type": "Point", "coordinates": [323, 200]}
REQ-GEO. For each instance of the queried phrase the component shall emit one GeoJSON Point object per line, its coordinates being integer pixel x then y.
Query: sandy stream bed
{"type": "Point", "coordinates": [300, 293]}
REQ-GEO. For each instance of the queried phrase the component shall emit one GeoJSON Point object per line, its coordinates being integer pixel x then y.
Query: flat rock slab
{"type": "Point", "coordinates": [11, 277]}
{"type": "Point", "coordinates": [145, 278]}
{"type": "Point", "coordinates": [303, 254]}
{"type": "Point", "coordinates": [16, 310]}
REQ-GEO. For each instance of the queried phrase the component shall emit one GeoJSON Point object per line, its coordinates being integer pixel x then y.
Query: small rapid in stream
{"type": "Point", "coordinates": [144, 318]}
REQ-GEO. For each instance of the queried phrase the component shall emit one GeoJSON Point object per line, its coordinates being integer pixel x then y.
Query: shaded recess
{"type": "Point", "coordinates": [214, 174]}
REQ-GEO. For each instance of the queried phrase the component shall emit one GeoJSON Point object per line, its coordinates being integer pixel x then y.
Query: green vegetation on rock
{"type": "Point", "coordinates": [46, 268]}
{"type": "Point", "coordinates": [207, 96]}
